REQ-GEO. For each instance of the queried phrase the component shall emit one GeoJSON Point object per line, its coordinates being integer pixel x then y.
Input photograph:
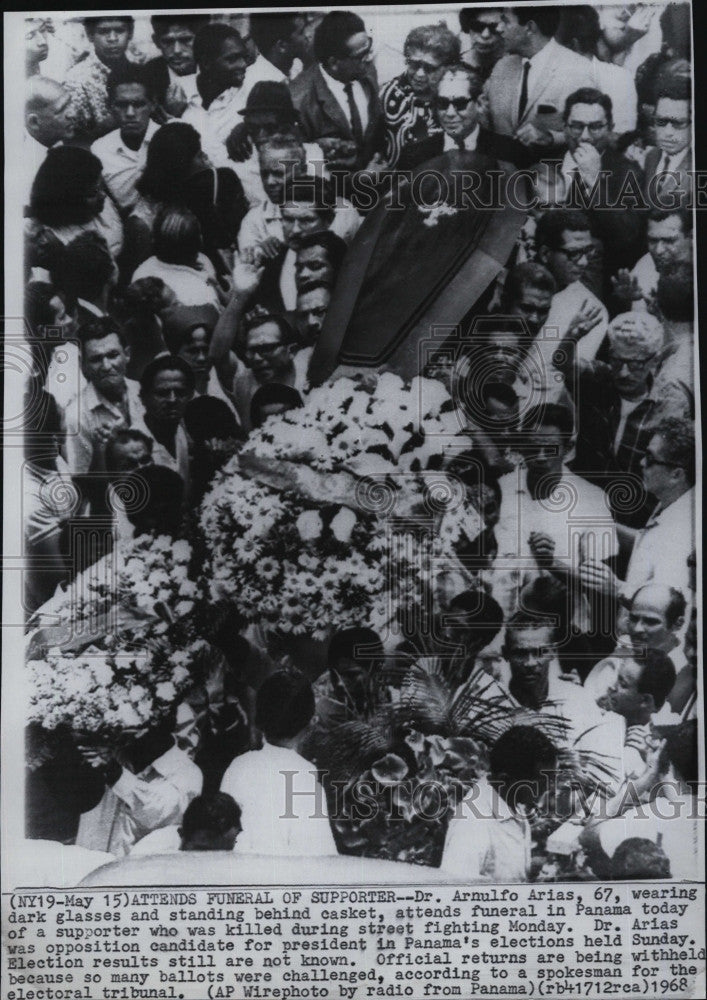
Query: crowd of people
{"type": "Point", "coordinates": [178, 279]}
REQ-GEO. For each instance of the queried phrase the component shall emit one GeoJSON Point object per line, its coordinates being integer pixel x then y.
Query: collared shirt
{"type": "Point", "coordinates": [265, 220]}
{"type": "Point", "coordinates": [283, 806]}
{"type": "Point", "coordinates": [262, 69]}
{"type": "Point", "coordinates": [539, 63]}
{"type": "Point", "coordinates": [487, 840]}
{"type": "Point", "coordinates": [122, 165]}
{"type": "Point", "coordinates": [661, 549]}
{"type": "Point", "coordinates": [179, 461]}
{"type": "Point", "coordinates": [469, 141]}
{"type": "Point", "coordinates": [618, 83]}
{"type": "Point", "coordinates": [139, 803]}
{"type": "Point", "coordinates": [89, 415]}
{"type": "Point", "coordinates": [603, 674]}
{"type": "Point", "coordinates": [215, 123]}
{"type": "Point", "coordinates": [186, 82]}
{"type": "Point", "coordinates": [563, 308]}
{"type": "Point", "coordinates": [577, 517]}
{"type": "Point", "coordinates": [193, 286]}
{"type": "Point", "coordinates": [87, 83]}
{"type": "Point", "coordinates": [359, 96]}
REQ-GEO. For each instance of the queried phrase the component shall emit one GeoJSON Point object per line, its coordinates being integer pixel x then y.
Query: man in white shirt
{"type": "Point", "coordinates": [109, 401]}
{"type": "Point", "coordinates": [47, 122]}
{"type": "Point", "coordinates": [663, 547]}
{"type": "Point", "coordinates": [283, 806]}
{"type": "Point", "coordinates": [568, 250]}
{"type": "Point", "coordinates": [550, 519]}
{"type": "Point", "coordinates": [488, 839]}
{"type": "Point", "coordinates": [166, 386]}
{"type": "Point", "coordinates": [669, 238]}
{"type": "Point", "coordinates": [221, 57]}
{"type": "Point", "coordinates": [274, 35]}
{"type": "Point", "coordinates": [123, 152]}
{"type": "Point", "coordinates": [172, 75]}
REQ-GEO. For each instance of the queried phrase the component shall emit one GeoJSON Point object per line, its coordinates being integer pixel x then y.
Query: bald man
{"type": "Point", "coordinates": [47, 123]}
{"type": "Point", "coordinates": [654, 620]}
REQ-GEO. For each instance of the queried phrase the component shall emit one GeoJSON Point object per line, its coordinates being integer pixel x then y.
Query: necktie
{"type": "Point", "coordinates": [460, 145]}
{"type": "Point", "coordinates": [662, 173]}
{"type": "Point", "coordinates": [523, 101]}
{"type": "Point", "coordinates": [356, 126]}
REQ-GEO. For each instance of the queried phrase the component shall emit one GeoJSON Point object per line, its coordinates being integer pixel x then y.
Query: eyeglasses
{"type": "Point", "coordinates": [633, 364]}
{"type": "Point", "coordinates": [458, 103]}
{"type": "Point", "coordinates": [479, 27]}
{"type": "Point", "coordinates": [650, 459]}
{"type": "Point", "coordinates": [576, 255]}
{"type": "Point", "coordinates": [263, 350]}
{"type": "Point", "coordinates": [595, 128]}
{"type": "Point", "coordinates": [678, 123]}
{"type": "Point", "coordinates": [417, 65]}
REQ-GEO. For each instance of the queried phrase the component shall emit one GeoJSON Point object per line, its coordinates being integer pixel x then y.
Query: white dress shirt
{"type": "Point", "coordinates": [283, 806]}
{"type": "Point", "coordinates": [139, 803]}
{"type": "Point", "coordinates": [661, 549]}
{"type": "Point", "coordinates": [216, 123]}
{"type": "Point", "coordinates": [193, 286]}
{"type": "Point", "coordinates": [122, 166]}
{"type": "Point", "coordinates": [265, 220]}
{"type": "Point", "coordinates": [248, 171]}
{"type": "Point", "coordinates": [179, 462]}
{"type": "Point", "coordinates": [186, 82]}
{"type": "Point", "coordinates": [618, 83]}
{"type": "Point", "coordinates": [88, 414]}
{"type": "Point", "coordinates": [539, 64]}
{"type": "Point", "coordinates": [262, 69]}
{"type": "Point", "coordinates": [359, 96]}
{"type": "Point", "coordinates": [470, 141]}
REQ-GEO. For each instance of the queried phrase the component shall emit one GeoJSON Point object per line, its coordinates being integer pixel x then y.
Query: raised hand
{"type": "Point", "coordinates": [239, 144]}
{"type": "Point", "coordinates": [584, 320]}
{"type": "Point", "coordinates": [175, 102]}
{"type": "Point", "coordinates": [625, 286]}
{"type": "Point", "coordinates": [247, 273]}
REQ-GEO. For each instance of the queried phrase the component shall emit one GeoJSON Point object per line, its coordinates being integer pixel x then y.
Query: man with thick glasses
{"type": "Point", "coordinates": [668, 167]}
{"type": "Point", "coordinates": [615, 409]}
{"type": "Point", "coordinates": [408, 99]}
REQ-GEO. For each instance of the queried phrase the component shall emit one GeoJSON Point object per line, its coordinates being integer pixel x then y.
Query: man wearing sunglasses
{"type": "Point", "coordinates": [668, 167]}
{"type": "Point", "coordinates": [484, 45]}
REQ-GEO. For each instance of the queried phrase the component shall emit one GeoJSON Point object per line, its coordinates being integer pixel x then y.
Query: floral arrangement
{"type": "Point", "coordinates": [295, 525]}
{"type": "Point", "coordinates": [127, 656]}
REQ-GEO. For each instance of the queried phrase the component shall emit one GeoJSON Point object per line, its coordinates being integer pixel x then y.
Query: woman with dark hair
{"type": "Point", "coordinates": [68, 198]}
{"type": "Point", "coordinates": [178, 173]}
{"type": "Point", "coordinates": [178, 259]}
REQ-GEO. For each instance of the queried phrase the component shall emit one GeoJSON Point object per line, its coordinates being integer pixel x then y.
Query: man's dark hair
{"type": "Point", "coordinates": [657, 676]}
{"type": "Point", "coordinates": [209, 41]}
{"type": "Point", "coordinates": [590, 95]}
{"type": "Point", "coordinates": [478, 611]}
{"type": "Point", "coordinates": [332, 33]}
{"type": "Point", "coordinates": [639, 858]}
{"type": "Point", "coordinates": [130, 73]}
{"type": "Point", "coordinates": [259, 317]}
{"type": "Point", "coordinates": [83, 267]}
{"type": "Point", "coordinates": [91, 23]}
{"type": "Point", "coordinates": [467, 16]}
{"type": "Point", "coordinates": [474, 79]}
{"type": "Point", "coordinates": [675, 293]}
{"type": "Point", "coordinates": [549, 415]}
{"type": "Point", "coordinates": [675, 608]}
{"type": "Point", "coordinates": [553, 223]}
{"type": "Point", "coordinates": [499, 391]}
{"type": "Point", "coordinates": [334, 245]}
{"type": "Point", "coordinates": [177, 235]}
{"type": "Point", "coordinates": [679, 442]}
{"type": "Point", "coordinates": [273, 392]}
{"type": "Point", "coordinates": [268, 29]}
{"type": "Point", "coordinates": [525, 619]}
{"type": "Point", "coordinates": [215, 814]}
{"type": "Point", "coordinates": [580, 24]}
{"type": "Point", "coordinates": [520, 752]}
{"type": "Point", "coordinates": [121, 436]}
{"type": "Point", "coordinates": [207, 417]}
{"type": "Point", "coordinates": [547, 19]}
{"type": "Point", "coordinates": [163, 489]}
{"type": "Point", "coordinates": [529, 274]}
{"type": "Point", "coordinates": [161, 23]}
{"type": "Point", "coordinates": [343, 645]}
{"type": "Point", "coordinates": [98, 329]}
{"type": "Point", "coordinates": [681, 751]}
{"type": "Point", "coordinates": [312, 285]}
{"type": "Point", "coordinates": [684, 214]}
{"type": "Point", "coordinates": [166, 363]}
{"type": "Point", "coordinates": [284, 705]}
{"type": "Point", "coordinates": [677, 88]}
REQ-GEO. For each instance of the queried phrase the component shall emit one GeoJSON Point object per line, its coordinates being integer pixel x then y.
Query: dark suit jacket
{"type": "Point", "coordinates": [321, 115]}
{"type": "Point", "coordinates": [673, 188]}
{"type": "Point", "coordinates": [157, 75]}
{"type": "Point", "coordinates": [498, 147]}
